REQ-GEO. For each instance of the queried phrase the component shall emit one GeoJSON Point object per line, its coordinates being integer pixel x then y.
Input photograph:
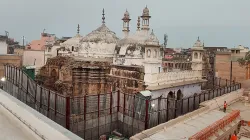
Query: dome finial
{"type": "Point", "coordinates": [138, 23]}
{"type": "Point", "coordinates": [103, 16]}
{"type": "Point", "coordinates": [78, 29]}
{"type": "Point", "coordinates": [152, 32]}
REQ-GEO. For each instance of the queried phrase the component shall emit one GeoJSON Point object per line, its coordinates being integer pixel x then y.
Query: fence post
{"type": "Point", "coordinates": [159, 113]}
{"type": "Point", "coordinates": [22, 81]}
{"type": "Point", "coordinates": [19, 78]}
{"type": "Point", "coordinates": [111, 103]}
{"type": "Point", "coordinates": [194, 102]}
{"type": "Point", "coordinates": [67, 112]}
{"type": "Point", "coordinates": [48, 104]}
{"type": "Point", "coordinates": [167, 110]}
{"type": "Point", "coordinates": [118, 101]}
{"type": "Point", "coordinates": [35, 95]}
{"type": "Point", "coordinates": [213, 93]}
{"type": "Point", "coordinates": [146, 115]}
{"type": "Point", "coordinates": [55, 105]}
{"type": "Point", "coordinates": [199, 98]}
{"type": "Point", "coordinates": [41, 96]}
{"type": "Point", "coordinates": [98, 113]}
{"type": "Point", "coordinates": [16, 75]}
{"type": "Point", "coordinates": [84, 114]}
{"type": "Point", "coordinates": [175, 109]}
{"type": "Point", "coordinates": [219, 81]}
{"type": "Point", "coordinates": [27, 90]}
{"type": "Point", "coordinates": [124, 104]}
{"type": "Point", "coordinates": [182, 106]}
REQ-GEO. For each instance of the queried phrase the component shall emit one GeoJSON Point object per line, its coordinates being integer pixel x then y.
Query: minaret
{"type": "Point", "coordinates": [197, 55]}
{"type": "Point", "coordinates": [145, 19]}
{"type": "Point", "coordinates": [103, 16]}
{"type": "Point", "coordinates": [126, 19]}
{"type": "Point", "coordinates": [138, 23]}
{"type": "Point", "coordinates": [78, 29]}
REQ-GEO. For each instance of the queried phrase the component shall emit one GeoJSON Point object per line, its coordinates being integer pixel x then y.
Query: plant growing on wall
{"type": "Point", "coordinates": [244, 62]}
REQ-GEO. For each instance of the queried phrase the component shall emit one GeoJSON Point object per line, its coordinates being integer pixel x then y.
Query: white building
{"type": "Point", "coordinates": [34, 59]}
{"type": "Point", "coordinates": [100, 43]}
{"type": "Point", "coordinates": [142, 49]}
{"type": "Point", "coordinates": [3, 45]}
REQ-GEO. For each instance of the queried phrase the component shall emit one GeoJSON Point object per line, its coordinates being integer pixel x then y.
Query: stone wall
{"type": "Point", "coordinates": [127, 79]}
{"type": "Point", "coordinates": [90, 81]}
{"type": "Point", "coordinates": [222, 68]}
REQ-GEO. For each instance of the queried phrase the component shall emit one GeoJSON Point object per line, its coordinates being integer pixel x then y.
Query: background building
{"type": "Point", "coordinates": [225, 60]}
{"type": "Point", "coordinates": [10, 59]}
{"type": "Point", "coordinates": [3, 44]}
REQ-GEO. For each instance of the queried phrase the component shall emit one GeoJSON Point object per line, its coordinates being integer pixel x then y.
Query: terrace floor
{"type": "Point", "coordinates": [10, 130]}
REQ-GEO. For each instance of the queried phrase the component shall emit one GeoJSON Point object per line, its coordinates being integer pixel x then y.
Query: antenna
{"type": "Point", "coordinates": [7, 34]}
{"type": "Point", "coordinates": [165, 40]}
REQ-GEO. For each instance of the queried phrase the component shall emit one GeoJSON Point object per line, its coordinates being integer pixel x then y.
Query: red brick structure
{"type": "Point", "coordinates": [223, 64]}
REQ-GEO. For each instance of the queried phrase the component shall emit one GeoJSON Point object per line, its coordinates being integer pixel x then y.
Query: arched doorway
{"type": "Point", "coordinates": [53, 74]}
{"type": "Point", "coordinates": [179, 95]}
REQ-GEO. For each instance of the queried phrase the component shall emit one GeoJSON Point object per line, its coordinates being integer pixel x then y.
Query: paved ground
{"type": "Point", "coordinates": [10, 130]}
{"type": "Point", "coordinates": [184, 130]}
{"type": "Point", "coordinates": [243, 107]}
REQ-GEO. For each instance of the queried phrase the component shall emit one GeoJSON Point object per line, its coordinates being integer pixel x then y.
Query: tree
{"type": "Point", "coordinates": [243, 62]}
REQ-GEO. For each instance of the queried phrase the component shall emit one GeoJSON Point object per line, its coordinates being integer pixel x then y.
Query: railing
{"type": "Point", "coordinates": [90, 116]}
{"type": "Point", "coordinates": [212, 129]}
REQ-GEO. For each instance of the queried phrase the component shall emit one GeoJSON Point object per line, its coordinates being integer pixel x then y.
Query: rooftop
{"type": "Point", "coordinates": [20, 122]}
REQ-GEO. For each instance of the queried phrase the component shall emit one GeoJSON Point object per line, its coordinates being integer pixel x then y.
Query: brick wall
{"type": "Point", "coordinates": [222, 68]}
{"type": "Point", "coordinates": [10, 59]}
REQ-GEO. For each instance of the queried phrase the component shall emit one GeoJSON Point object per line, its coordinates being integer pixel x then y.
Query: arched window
{"type": "Point", "coordinates": [195, 55]}
{"type": "Point", "coordinates": [170, 95]}
{"type": "Point", "coordinates": [155, 53]}
{"type": "Point", "coordinates": [72, 48]}
{"type": "Point", "coordinates": [53, 74]}
{"type": "Point", "coordinates": [148, 53]}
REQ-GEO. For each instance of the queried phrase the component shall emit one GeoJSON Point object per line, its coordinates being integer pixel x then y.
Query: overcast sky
{"type": "Point", "coordinates": [217, 22]}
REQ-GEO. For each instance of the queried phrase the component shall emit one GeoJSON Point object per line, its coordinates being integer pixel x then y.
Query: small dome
{"type": "Point", "coordinates": [126, 16]}
{"type": "Point", "coordinates": [198, 43]}
{"type": "Point", "coordinates": [145, 11]}
{"type": "Point", "coordinates": [101, 34]}
{"type": "Point", "coordinates": [152, 39]}
{"type": "Point", "coordinates": [74, 41]}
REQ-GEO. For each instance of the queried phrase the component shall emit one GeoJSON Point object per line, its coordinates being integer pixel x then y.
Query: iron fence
{"type": "Point", "coordinates": [90, 116]}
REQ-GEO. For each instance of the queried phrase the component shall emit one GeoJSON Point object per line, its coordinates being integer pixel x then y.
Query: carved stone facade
{"type": "Point", "coordinates": [70, 76]}
{"type": "Point", "coordinates": [127, 79]}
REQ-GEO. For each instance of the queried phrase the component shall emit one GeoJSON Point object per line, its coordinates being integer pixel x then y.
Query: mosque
{"type": "Point", "coordinates": [131, 64]}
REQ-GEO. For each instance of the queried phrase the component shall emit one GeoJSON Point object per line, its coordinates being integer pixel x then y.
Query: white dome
{"type": "Point", "coordinates": [126, 15]}
{"type": "Point", "coordinates": [101, 34]}
{"type": "Point", "coordinates": [74, 41]}
{"type": "Point", "coordinates": [145, 11]}
{"type": "Point", "coordinates": [198, 43]}
{"type": "Point", "coordinates": [152, 39]}
{"type": "Point", "coordinates": [136, 42]}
